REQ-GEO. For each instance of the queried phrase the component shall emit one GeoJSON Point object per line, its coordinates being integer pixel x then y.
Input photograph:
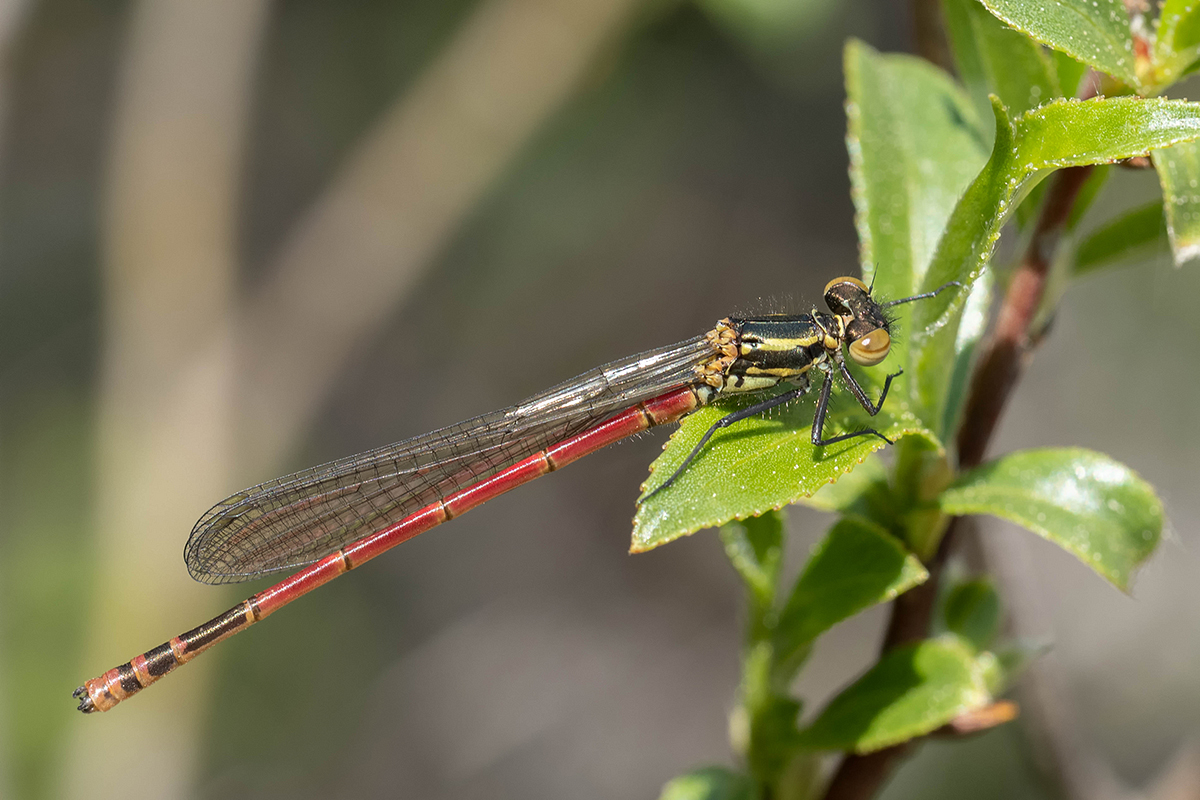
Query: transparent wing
{"type": "Point", "coordinates": [295, 520]}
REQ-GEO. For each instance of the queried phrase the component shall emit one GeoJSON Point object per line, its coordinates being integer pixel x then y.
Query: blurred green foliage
{"type": "Point", "coordinates": [698, 169]}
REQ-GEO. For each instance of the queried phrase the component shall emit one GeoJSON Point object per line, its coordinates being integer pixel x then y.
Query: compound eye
{"type": "Point", "coordinates": [845, 279]}
{"type": "Point", "coordinates": [871, 349]}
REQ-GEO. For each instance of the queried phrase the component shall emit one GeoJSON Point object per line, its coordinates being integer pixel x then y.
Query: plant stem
{"type": "Point", "coordinates": [1001, 366]}
{"type": "Point", "coordinates": [859, 777]}
{"type": "Point", "coordinates": [929, 36]}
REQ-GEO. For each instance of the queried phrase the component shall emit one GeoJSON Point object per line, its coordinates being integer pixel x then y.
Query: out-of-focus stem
{"type": "Point", "coordinates": [164, 416]}
{"type": "Point", "coordinates": [929, 34]}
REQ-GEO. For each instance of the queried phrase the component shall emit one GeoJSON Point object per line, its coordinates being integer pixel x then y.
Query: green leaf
{"type": "Point", "coordinates": [911, 691]}
{"type": "Point", "coordinates": [755, 548]}
{"type": "Point", "coordinates": [710, 783]}
{"type": "Point", "coordinates": [864, 492]}
{"type": "Point", "coordinates": [1071, 133]}
{"type": "Point", "coordinates": [856, 566]}
{"type": "Point", "coordinates": [970, 330]}
{"type": "Point", "coordinates": [1061, 134]}
{"type": "Point", "coordinates": [1128, 235]}
{"type": "Point", "coordinates": [1095, 32]}
{"type": "Point", "coordinates": [758, 464]}
{"type": "Point", "coordinates": [772, 737]}
{"type": "Point", "coordinates": [1083, 501]}
{"type": "Point", "coordinates": [915, 142]}
{"type": "Point", "coordinates": [763, 727]}
{"type": "Point", "coordinates": [994, 59]}
{"type": "Point", "coordinates": [972, 610]}
{"type": "Point", "coordinates": [1177, 40]}
{"type": "Point", "coordinates": [1179, 173]}
{"type": "Point", "coordinates": [964, 46]}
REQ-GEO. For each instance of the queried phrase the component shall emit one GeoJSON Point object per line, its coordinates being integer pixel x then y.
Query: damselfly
{"type": "Point", "coordinates": [330, 519]}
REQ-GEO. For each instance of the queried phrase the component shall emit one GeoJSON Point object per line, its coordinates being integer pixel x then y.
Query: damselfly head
{"type": "Point", "coordinates": [867, 326]}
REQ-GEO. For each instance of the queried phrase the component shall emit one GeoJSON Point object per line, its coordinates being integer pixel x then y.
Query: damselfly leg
{"type": "Point", "coordinates": [725, 422]}
{"type": "Point", "coordinates": [818, 425]}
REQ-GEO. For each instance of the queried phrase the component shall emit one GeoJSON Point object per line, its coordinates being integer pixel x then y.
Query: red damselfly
{"type": "Point", "coordinates": [329, 519]}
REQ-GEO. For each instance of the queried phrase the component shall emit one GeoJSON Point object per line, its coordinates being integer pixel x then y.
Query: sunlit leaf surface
{"type": "Point", "coordinates": [756, 464]}
{"type": "Point", "coordinates": [1095, 32]}
{"type": "Point", "coordinates": [914, 144]}
{"type": "Point", "coordinates": [1083, 501]}
{"type": "Point", "coordinates": [1179, 173]}
{"type": "Point", "coordinates": [911, 691]}
{"type": "Point", "coordinates": [1062, 134]}
{"type": "Point", "coordinates": [765, 463]}
{"type": "Point", "coordinates": [992, 58]}
{"type": "Point", "coordinates": [856, 566]}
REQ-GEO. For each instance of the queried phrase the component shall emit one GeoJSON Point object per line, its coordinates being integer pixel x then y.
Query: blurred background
{"type": "Point", "coordinates": [239, 237]}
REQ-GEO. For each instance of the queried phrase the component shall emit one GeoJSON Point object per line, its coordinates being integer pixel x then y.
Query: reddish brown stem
{"type": "Point", "coordinates": [1001, 366]}
{"type": "Point", "coordinates": [929, 35]}
{"type": "Point", "coordinates": [859, 777]}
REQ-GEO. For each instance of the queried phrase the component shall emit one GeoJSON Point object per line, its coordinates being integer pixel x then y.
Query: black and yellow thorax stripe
{"type": "Point", "coordinates": [761, 352]}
